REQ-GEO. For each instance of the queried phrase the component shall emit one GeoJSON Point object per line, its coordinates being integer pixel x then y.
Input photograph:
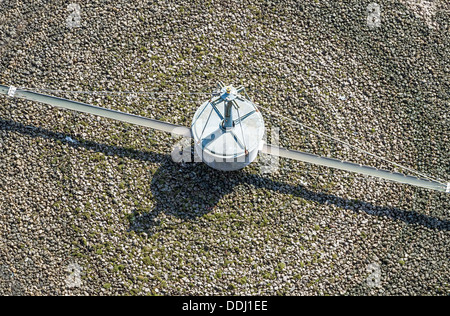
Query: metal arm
{"type": "Point", "coordinates": [352, 167]}
{"type": "Point", "coordinates": [99, 111]}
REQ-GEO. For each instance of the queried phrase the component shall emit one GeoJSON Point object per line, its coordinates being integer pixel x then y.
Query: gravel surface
{"type": "Point", "coordinates": [89, 206]}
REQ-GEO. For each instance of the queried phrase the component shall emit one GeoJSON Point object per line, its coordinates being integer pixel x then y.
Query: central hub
{"type": "Point", "coordinates": [227, 130]}
{"type": "Point", "coordinates": [228, 95]}
{"type": "Point", "coordinates": [227, 122]}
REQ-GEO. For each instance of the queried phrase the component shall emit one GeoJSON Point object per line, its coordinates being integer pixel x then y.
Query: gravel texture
{"type": "Point", "coordinates": [89, 206]}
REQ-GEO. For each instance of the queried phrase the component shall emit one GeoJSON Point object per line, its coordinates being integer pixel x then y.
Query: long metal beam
{"type": "Point", "coordinates": [352, 167]}
{"type": "Point", "coordinates": [186, 132]}
{"type": "Point", "coordinates": [99, 111]}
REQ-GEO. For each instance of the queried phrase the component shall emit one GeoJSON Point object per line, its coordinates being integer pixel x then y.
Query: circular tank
{"type": "Point", "coordinates": [227, 131]}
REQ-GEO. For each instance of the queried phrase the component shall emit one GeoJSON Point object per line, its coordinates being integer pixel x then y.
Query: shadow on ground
{"type": "Point", "coordinates": [196, 188]}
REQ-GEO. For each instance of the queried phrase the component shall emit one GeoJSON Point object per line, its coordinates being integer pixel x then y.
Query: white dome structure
{"type": "Point", "coordinates": [227, 130]}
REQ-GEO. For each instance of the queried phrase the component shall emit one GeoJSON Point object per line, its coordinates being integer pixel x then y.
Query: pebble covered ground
{"type": "Point", "coordinates": [90, 206]}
